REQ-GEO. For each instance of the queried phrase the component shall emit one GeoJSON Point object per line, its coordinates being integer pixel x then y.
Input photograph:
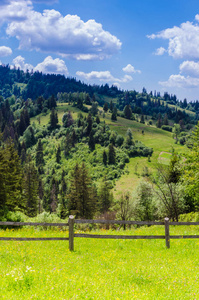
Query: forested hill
{"type": "Point", "coordinates": [32, 85]}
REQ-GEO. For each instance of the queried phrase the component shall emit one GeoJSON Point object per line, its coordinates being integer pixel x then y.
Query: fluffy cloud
{"type": "Point", "coordinates": [46, 1]}
{"type": "Point", "coordinates": [160, 51]}
{"type": "Point", "coordinates": [50, 31]}
{"type": "Point", "coordinates": [103, 76]}
{"type": "Point", "coordinates": [52, 66]}
{"type": "Point", "coordinates": [190, 68]}
{"type": "Point", "coordinates": [19, 62]}
{"type": "Point", "coordinates": [183, 40]}
{"type": "Point", "coordinates": [130, 69]}
{"type": "Point", "coordinates": [14, 11]}
{"type": "Point", "coordinates": [5, 51]}
{"type": "Point", "coordinates": [180, 81]}
{"type": "Point", "coordinates": [48, 66]}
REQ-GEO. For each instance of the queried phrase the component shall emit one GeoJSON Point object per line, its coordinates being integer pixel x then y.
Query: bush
{"type": "Point", "coordinates": [167, 128]}
{"type": "Point", "coordinates": [190, 217]}
{"type": "Point", "coordinates": [47, 217]}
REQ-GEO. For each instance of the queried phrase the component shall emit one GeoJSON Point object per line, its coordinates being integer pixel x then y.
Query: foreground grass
{"type": "Point", "coordinates": [99, 269]}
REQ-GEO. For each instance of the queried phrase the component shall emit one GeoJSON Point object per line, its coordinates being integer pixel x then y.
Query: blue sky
{"type": "Point", "coordinates": [131, 44]}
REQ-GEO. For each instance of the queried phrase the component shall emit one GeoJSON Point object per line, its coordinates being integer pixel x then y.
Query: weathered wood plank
{"type": "Point", "coordinates": [129, 237]}
{"type": "Point", "coordinates": [71, 232]}
{"type": "Point", "coordinates": [167, 237]}
{"type": "Point", "coordinates": [33, 224]}
{"type": "Point", "coordinates": [119, 222]}
{"type": "Point", "coordinates": [32, 239]}
{"type": "Point", "coordinates": [184, 236]}
{"type": "Point", "coordinates": [183, 223]}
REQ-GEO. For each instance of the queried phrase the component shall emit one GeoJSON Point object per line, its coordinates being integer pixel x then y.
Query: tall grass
{"type": "Point", "coordinates": [99, 269]}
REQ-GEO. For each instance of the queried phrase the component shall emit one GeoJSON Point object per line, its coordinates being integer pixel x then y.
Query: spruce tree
{"type": "Point", "coordinates": [81, 196]}
{"type": "Point", "coordinates": [91, 141]}
{"type": "Point", "coordinates": [58, 155]}
{"type": "Point", "coordinates": [53, 119]}
{"type": "Point", "coordinates": [31, 188]}
{"type": "Point", "coordinates": [111, 155]}
{"type": "Point", "coordinates": [39, 154]}
{"type": "Point", "coordinates": [105, 196]}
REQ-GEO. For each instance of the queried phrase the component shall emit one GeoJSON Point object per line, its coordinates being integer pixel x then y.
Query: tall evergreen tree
{"type": "Point", "coordinates": [105, 197]}
{"type": "Point", "coordinates": [31, 188]}
{"type": "Point", "coordinates": [39, 154]}
{"type": "Point", "coordinates": [111, 155]}
{"type": "Point", "coordinates": [81, 196]}
{"type": "Point", "coordinates": [91, 141]}
{"type": "Point", "coordinates": [58, 155]}
{"type": "Point", "coordinates": [53, 119]}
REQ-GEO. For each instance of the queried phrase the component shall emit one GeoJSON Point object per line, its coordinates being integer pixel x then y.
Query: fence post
{"type": "Point", "coordinates": [71, 222]}
{"type": "Point", "coordinates": [167, 236]}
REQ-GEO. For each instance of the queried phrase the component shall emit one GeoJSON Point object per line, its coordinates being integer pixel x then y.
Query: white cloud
{"type": "Point", "coordinates": [13, 10]}
{"type": "Point", "coordinates": [48, 66]}
{"type": "Point", "coordinates": [160, 51]}
{"type": "Point", "coordinates": [190, 68]}
{"type": "Point", "coordinates": [183, 40]}
{"type": "Point", "coordinates": [19, 62]}
{"type": "Point", "coordinates": [52, 66]}
{"type": "Point", "coordinates": [46, 1]}
{"type": "Point", "coordinates": [180, 81]}
{"type": "Point", "coordinates": [103, 76]}
{"type": "Point", "coordinates": [5, 51]}
{"type": "Point", "coordinates": [52, 32]}
{"type": "Point", "coordinates": [130, 69]}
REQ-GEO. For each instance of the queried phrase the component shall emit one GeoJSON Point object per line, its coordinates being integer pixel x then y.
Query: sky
{"type": "Point", "coordinates": [128, 43]}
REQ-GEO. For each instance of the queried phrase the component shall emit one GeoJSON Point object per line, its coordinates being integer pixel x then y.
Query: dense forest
{"type": "Point", "coordinates": [70, 167]}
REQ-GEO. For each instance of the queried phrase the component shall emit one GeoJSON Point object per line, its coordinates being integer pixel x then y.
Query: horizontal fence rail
{"type": "Point", "coordinates": [72, 235]}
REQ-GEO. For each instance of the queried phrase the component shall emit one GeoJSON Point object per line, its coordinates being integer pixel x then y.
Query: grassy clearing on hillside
{"type": "Point", "coordinates": [99, 269]}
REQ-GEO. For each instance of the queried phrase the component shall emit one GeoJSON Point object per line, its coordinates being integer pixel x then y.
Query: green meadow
{"type": "Point", "coordinates": [99, 268]}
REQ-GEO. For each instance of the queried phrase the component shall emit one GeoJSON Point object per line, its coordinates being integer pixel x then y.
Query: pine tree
{"type": "Point", "coordinates": [104, 158]}
{"type": "Point", "coordinates": [128, 112]}
{"type": "Point", "coordinates": [31, 188]}
{"type": "Point", "coordinates": [91, 141]}
{"type": "Point", "coordinates": [58, 155]}
{"type": "Point", "coordinates": [39, 154]}
{"type": "Point", "coordinates": [111, 155]}
{"type": "Point", "coordinates": [105, 107]}
{"type": "Point", "coordinates": [89, 124]}
{"type": "Point", "coordinates": [105, 197]}
{"type": "Point", "coordinates": [11, 179]}
{"type": "Point", "coordinates": [81, 196]}
{"type": "Point", "coordinates": [114, 114]}
{"type": "Point", "coordinates": [53, 119]}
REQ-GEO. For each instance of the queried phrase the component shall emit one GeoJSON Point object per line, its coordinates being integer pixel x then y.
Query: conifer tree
{"type": "Point", "coordinates": [89, 124]}
{"type": "Point", "coordinates": [114, 114]}
{"type": "Point", "coordinates": [81, 196]}
{"type": "Point", "coordinates": [58, 155]}
{"type": "Point", "coordinates": [11, 179]}
{"type": "Point", "coordinates": [104, 158]}
{"type": "Point", "coordinates": [91, 141]}
{"type": "Point", "coordinates": [31, 188]}
{"type": "Point", "coordinates": [105, 197]}
{"type": "Point", "coordinates": [111, 155]}
{"type": "Point", "coordinates": [53, 119]}
{"type": "Point", "coordinates": [39, 154]}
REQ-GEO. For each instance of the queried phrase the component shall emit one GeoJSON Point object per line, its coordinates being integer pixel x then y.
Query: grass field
{"type": "Point", "coordinates": [99, 269]}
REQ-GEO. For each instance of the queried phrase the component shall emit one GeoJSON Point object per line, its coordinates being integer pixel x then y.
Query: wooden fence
{"type": "Point", "coordinates": [72, 235]}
